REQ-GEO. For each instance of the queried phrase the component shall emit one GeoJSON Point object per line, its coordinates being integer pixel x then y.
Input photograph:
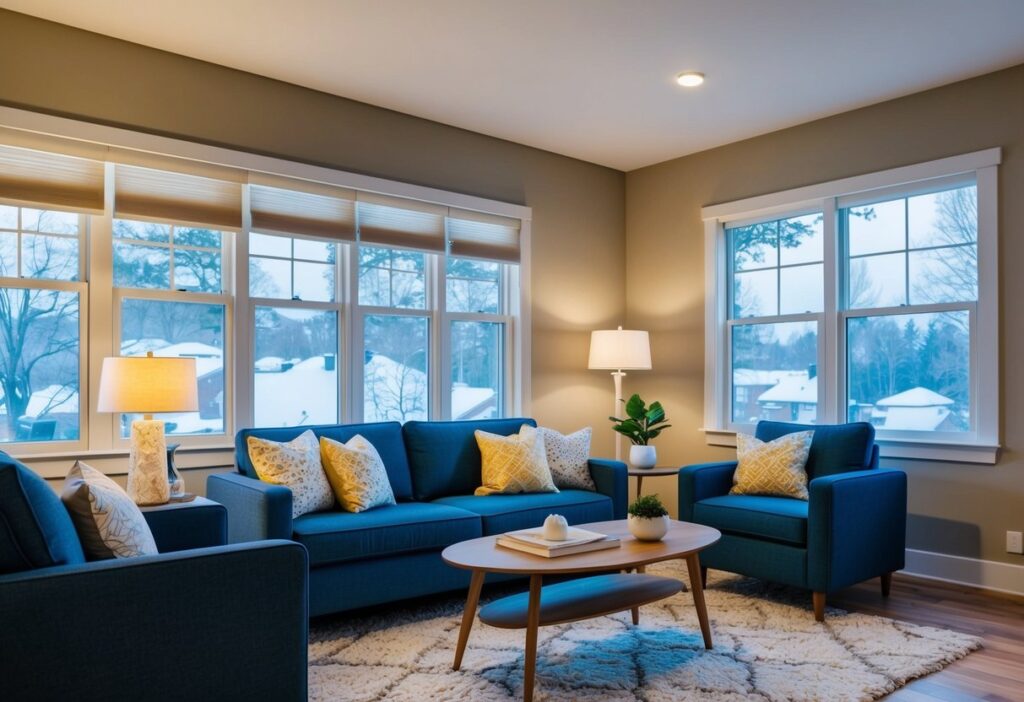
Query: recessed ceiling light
{"type": "Point", "coordinates": [690, 79]}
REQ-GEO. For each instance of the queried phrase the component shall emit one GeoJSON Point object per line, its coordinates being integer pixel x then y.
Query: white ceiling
{"type": "Point", "coordinates": [591, 79]}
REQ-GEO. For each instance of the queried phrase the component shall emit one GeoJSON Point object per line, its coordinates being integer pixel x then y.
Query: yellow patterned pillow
{"type": "Point", "coordinates": [772, 468]}
{"type": "Point", "coordinates": [511, 464]}
{"type": "Point", "coordinates": [356, 473]}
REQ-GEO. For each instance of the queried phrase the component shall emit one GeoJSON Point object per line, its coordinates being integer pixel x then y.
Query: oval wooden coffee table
{"type": "Point", "coordinates": [583, 598]}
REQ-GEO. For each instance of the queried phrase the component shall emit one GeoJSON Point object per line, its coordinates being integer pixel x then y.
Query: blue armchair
{"type": "Point", "coordinates": [851, 529]}
{"type": "Point", "coordinates": [185, 624]}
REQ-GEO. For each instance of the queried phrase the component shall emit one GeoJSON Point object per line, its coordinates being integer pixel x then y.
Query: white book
{"type": "Point", "coordinates": [535, 537]}
{"type": "Point", "coordinates": [517, 545]}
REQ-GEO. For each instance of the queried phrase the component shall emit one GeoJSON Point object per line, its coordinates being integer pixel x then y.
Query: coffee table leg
{"type": "Point", "coordinates": [532, 624]}
{"type": "Point", "coordinates": [468, 614]}
{"type": "Point", "coordinates": [693, 566]}
{"type": "Point", "coordinates": [636, 610]}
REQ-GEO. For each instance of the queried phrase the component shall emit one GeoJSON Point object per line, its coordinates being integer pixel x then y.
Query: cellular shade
{"type": "Point", "coordinates": [170, 195]}
{"type": "Point", "coordinates": [309, 209]}
{"type": "Point", "coordinates": [49, 179]}
{"type": "Point", "coordinates": [477, 235]}
{"type": "Point", "coordinates": [148, 385]}
{"type": "Point", "coordinates": [393, 221]}
{"type": "Point", "coordinates": [619, 349]}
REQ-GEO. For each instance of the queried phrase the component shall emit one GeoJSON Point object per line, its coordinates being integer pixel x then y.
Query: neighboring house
{"type": "Point", "coordinates": [748, 385]}
{"type": "Point", "coordinates": [793, 399]}
{"type": "Point", "coordinates": [917, 409]}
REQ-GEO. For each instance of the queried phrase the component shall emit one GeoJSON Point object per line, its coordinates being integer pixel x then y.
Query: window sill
{"type": "Point", "coordinates": [983, 454]}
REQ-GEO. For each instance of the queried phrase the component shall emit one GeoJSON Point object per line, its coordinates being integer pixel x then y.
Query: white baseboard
{"type": "Point", "coordinates": [988, 575]}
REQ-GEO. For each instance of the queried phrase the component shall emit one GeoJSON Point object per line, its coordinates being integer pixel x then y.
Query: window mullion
{"type": "Point", "coordinates": [831, 355]}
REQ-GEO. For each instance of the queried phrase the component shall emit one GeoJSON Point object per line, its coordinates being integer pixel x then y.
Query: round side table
{"type": "Point", "coordinates": [642, 473]}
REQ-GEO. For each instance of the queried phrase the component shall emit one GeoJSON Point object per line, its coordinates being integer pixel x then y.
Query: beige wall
{"type": "Point", "coordinates": [578, 208]}
{"type": "Point", "coordinates": [958, 509]}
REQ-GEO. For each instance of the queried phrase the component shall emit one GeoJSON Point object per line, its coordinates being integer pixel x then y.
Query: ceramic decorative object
{"type": "Point", "coordinates": [643, 456]}
{"type": "Point", "coordinates": [147, 463]}
{"type": "Point", "coordinates": [556, 528]}
{"type": "Point", "coordinates": [648, 528]}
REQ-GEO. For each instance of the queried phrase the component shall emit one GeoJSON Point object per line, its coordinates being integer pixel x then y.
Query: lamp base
{"type": "Point", "coordinates": [147, 463]}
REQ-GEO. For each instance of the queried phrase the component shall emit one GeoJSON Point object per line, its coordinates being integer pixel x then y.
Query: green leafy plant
{"type": "Point", "coordinates": [647, 507]}
{"type": "Point", "coordinates": [641, 423]}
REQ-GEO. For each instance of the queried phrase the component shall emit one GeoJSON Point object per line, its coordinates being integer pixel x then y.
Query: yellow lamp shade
{"type": "Point", "coordinates": [619, 349]}
{"type": "Point", "coordinates": [148, 385]}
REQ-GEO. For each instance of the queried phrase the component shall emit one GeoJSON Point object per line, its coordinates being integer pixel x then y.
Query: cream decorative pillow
{"type": "Point", "coordinates": [568, 456]}
{"type": "Point", "coordinates": [296, 465]}
{"type": "Point", "coordinates": [356, 473]}
{"type": "Point", "coordinates": [773, 468]}
{"type": "Point", "coordinates": [108, 523]}
{"type": "Point", "coordinates": [511, 464]}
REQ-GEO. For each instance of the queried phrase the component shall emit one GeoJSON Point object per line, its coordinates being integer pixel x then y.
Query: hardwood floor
{"type": "Point", "coordinates": [994, 674]}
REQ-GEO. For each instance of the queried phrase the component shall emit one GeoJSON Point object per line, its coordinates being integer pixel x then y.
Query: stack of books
{"type": "Point", "coordinates": [578, 541]}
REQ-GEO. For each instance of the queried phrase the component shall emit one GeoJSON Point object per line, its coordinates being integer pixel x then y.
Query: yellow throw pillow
{"type": "Point", "coordinates": [772, 468]}
{"type": "Point", "coordinates": [356, 473]}
{"type": "Point", "coordinates": [512, 464]}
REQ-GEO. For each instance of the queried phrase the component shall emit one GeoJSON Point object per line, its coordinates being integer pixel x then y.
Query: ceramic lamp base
{"type": "Point", "coordinates": [147, 463]}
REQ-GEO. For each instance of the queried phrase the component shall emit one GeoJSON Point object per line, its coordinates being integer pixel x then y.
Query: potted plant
{"type": "Point", "coordinates": [640, 426]}
{"type": "Point", "coordinates": [648, 518]}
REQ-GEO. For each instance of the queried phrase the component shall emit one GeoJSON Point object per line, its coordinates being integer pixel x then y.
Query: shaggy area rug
{"type": "Point", "coordinates": [767, 647]}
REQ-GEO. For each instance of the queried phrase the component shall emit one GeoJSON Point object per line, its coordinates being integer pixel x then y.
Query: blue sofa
{"type": "Point", "coordinates": [394, 552]}
{"type": "Point", "coordinates": [185, 624]}
{"type": "Point", "coordinates": [851, 529]}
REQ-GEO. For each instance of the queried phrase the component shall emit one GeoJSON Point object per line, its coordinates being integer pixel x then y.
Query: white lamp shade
{"type": "Point", "coordinates": [148, 385]}
{"type": "Point", "coordinates": [619, 349]}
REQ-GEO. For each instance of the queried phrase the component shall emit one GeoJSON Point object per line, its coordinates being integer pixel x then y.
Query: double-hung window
{"type": "Point", "coordinates": [870, 299]}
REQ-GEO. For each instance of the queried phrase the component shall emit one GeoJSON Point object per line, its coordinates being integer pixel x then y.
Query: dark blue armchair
{"type": "Point", "coordinates": [200, 622]}
{"type": "Point", "coordinates": [851, 529]}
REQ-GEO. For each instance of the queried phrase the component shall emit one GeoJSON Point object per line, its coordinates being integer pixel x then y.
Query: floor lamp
{"type": "Point", "coordinates": [619, 350]}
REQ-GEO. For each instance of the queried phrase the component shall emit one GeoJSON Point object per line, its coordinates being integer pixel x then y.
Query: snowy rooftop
{"type": "Point", "coordinates": [792, 388]}
{"type": "Point", "coordinates": [750, 376]}
{"type": "Point", "coordinates": [915, 418]}
{"type": "Point", "coordinates": [915, 397]}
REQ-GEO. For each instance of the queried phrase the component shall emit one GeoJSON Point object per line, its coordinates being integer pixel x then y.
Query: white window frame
{"type": "Point", "coordinates": [99, 301]}
{"type": "Point", "coordinates": [981, 445]}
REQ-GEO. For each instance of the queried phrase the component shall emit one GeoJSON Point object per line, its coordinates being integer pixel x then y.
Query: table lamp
{"type": "Point", "coordinates": [619, 350]}
{"type": "Point", "coordinates": [148, 385]}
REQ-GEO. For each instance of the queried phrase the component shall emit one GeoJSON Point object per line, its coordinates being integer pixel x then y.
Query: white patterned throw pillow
{"type": "Point", "coordinates": [296, 465]}
{"type": "Point", "coordinates": [108, 523]}
{"type": "Point", "coordinates": [568, 456]}
{"type": "Point", "coordinates": [357, 474]}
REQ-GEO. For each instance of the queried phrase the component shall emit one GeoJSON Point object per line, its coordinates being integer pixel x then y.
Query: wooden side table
{"type": "Point", "coordinates": [642, 473]}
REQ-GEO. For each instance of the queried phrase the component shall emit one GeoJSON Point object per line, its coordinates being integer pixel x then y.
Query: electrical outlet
{"type": "Point", "coordinates": [1014, 542]}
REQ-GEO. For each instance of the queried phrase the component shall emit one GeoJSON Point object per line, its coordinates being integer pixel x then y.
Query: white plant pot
{"type": "Point", "coordinates": [643, 456]}
{"type": "Point", "coordinates": [648, 529]}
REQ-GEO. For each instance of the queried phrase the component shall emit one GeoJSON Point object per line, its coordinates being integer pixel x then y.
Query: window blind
{"type": "Point", "coordinates": [393, 221]}
{"type": "Point", "coordinates": [280, 206]}
{"type": "Point", "coordinates": [478, 235]}
{"type": "Point", "coordinates": [168, 195]}
{"type": "Point", "coordinates": [49, 179]}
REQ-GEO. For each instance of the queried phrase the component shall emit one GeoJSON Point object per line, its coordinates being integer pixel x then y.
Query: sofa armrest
{"type": "Point", "coordinates": [856, 527]}
{"type": "Point", "coordinates": [180, 526]}
{"type": "Point", "coordinates": [256, 510]}
{"type": "Point", "coordinates": [185, 625]}
{"type": "Point", "coordinates": [612, 479]}
{"type": "Point", "coordinates": [701, 481]}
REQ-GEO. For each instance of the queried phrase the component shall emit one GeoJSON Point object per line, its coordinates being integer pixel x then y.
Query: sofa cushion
{"type": "Point", "coordinates": [835, 448]}
{"type": "Point", "coordinates": [35, 529]}
{"type": "Point", "coordinates": [444, 457]}
{"type": "Point", "coordinates": [332, 537]}
{"type": "Point", "coordinates": [775, 518]}
{"type": "Point", "coordinates": [503, 513]}
{"type": "Point", "coordinates": [386, 437]}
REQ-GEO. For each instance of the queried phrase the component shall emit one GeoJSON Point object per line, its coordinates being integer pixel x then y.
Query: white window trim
{"type": "Point", "coordinates": [96, 304]}
{"type": "Point", "coordinates": [983, 445]}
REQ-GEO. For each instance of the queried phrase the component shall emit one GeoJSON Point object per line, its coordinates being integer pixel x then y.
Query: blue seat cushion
{"type": "Point", "coordinates": [503, 513]}
{"type": "Point", "coordinates": [35, 529]}
{"type": "Point", "coordinates": [386, 437]}
{"type": "Point", "coordinates": [407, 527]}
{"type": "Point", "coordinates": [835, 448]}
{"type": "Point", "coordinates": [776, 518]}
{"type": "Point", "coordinates": [444, 456]}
